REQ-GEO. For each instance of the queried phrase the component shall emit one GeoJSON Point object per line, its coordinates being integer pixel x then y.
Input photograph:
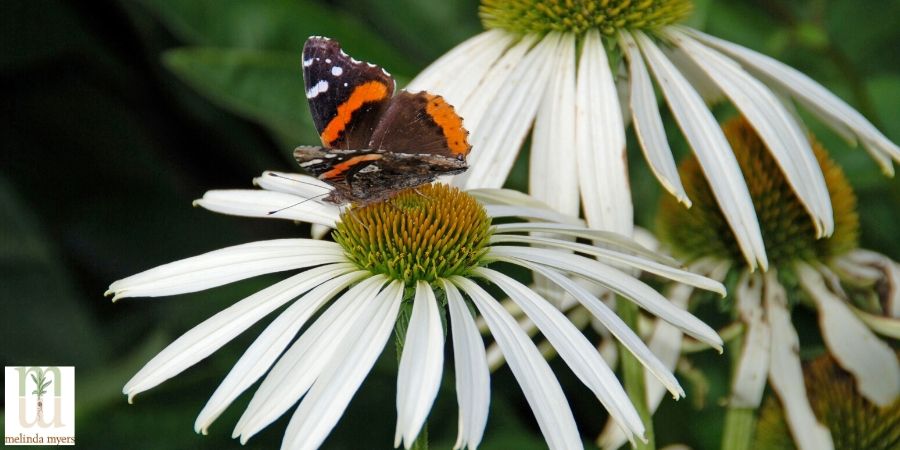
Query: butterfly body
{"type": "Point", "coordinates": [374, 143]}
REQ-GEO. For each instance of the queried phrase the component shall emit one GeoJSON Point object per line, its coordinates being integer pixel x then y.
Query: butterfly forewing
{"type": "Point", "coordinates": [346, 97]}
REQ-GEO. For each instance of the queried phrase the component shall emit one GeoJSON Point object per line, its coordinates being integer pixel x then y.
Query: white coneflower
{"type": "Point", "coordinates": [420, 251]}
{"type": "Point", "coordinates": [855, 292]}
{"type": "Point", "coordinates": [524, 71]}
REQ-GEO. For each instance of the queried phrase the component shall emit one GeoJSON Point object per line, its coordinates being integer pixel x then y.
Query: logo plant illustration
{"type": "Point", "coordinates": [41, 382]}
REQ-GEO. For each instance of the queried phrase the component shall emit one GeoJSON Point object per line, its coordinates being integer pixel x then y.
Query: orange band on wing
{"type": "Point", "coordinates": [371, 91]}
{"type": "Point", "coordinates": [446, 118]}
{"type": "Point", "coordinates": [338, 169]}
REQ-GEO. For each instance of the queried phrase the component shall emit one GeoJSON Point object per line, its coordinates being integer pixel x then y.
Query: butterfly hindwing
{"type": "Point", "coordinates": [421, 123]}
{"type": "Point", "coordinates": [346, 97]}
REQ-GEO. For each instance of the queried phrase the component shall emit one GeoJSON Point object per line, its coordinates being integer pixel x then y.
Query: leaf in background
{"type": "Point", "coordinates": [274, 25]}
{"type": "Point", "coordinates": [265, 86]}
{"type": "Point", "coordinates": [44, 320]}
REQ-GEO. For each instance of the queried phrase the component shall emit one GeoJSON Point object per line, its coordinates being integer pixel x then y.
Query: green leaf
{"type": "Point", "coordinates": [273, 25]}
{"type": "Point", "coordinates": [264, 86]}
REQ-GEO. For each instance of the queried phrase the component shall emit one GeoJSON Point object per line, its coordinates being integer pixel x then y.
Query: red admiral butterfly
{"type": "Point", "coordinates": [374, 144]}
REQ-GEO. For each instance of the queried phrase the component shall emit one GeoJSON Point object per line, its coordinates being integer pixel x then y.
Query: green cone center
{"type": "Point", "coordinates": [787, 229]}
{"type": "Point", "coordinates": [578, 16]}
{"type": "Point", "coordinates": [434, 231]}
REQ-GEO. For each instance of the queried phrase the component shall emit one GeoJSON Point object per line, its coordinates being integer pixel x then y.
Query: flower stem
{"type": "Point", "coordinates": [633, 374]}
{"type": "Point", "coordinates": [739, 425]}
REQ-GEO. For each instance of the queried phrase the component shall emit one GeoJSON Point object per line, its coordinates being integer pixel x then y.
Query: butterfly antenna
{"type": "Point", "coordinates": [297, 204]}
{"type": "Point", "coordinates": [272, 174]}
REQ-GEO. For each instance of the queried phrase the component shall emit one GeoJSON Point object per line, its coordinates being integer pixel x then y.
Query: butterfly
{"type": "Point", "coordinates": [374, 144]}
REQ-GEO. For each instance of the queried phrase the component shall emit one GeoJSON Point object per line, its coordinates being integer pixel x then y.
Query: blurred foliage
{"type": "Point", "coordinates": [117, 114]}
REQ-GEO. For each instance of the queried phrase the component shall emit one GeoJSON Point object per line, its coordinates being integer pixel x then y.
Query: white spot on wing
{"type": "Point", "coordinates": [345, 84]}
{"type": "Point", "coordinates": [369, 168]}
{"type": "Point", "coordinates": [337, 71]}
{"type": "Point", "coordinates": [370, 64]}
{"type": "Point", "coordinates": [317, 89]}
{"type": "Point", "coordinates": [328, 60]}
{"type": "Point", "coordinates": [307, 62]}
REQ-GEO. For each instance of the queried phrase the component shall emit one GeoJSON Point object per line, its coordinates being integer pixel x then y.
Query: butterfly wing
{"type": "Point", "coordinates": [346, 97]}
{"type": "Point", "coordinates": [421, 123]}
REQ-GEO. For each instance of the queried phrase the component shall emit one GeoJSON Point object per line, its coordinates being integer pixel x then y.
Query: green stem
{"type": "Point", "coordinates": [633, 374]}
{"type": "Point", "coordinates": [739, 426]}
{"type": "Point", "coordinates": [740, 422]}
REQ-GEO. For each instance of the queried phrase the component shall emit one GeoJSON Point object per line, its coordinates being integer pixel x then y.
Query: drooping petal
{"type": "Point", "coordinates": [713, 153]}
{"type": "Point", "coordinates": [872, 362]}
{"type": "Point", "coordinates": [749, 380]}
{"type": "Point", "coordinates": [421, 366]}
{"type": "Point", "coordinates": [782, 135]}
{"type": "Point", "coordinates": [827, 106]}
{"type": "Point", "coordinates": [648, 124]}
{"type": "Point", "coordinates": [552, 167]}
{"type": "Point", "coordinates": [786, 374]}
{"type": "Point", "coordinates": [541, 389]}
{"type": "Point", "coordinates": [620, 260]}
{"type": "Point", "coordinates": [458, 72]}
{"type": "Point", "coordinates": [227, 265]}
{"type": "Point", "coordinates": [579, 354]}
{"type": "Point", "coordinates": [269, 205]}
{"type": "Point", "coordinates": [527, 212]}
{"type": "Point", "coordinates": [473, 389]}
{"type": "Point", "coordinates": [890, 276]}
{"type": "Point", "coordinates": [322, 407]}
{"type": "Point", "coordinates": [207, 337]}
{"type": "Point", "coordinates": [506, 121]}
{"type": "Point", "coordinates": [600, 142]}
{"type": "Point", "coordinates": [260, 356]}
{"type": "Point", "coordinates": [304, 361]}
{"type": "Point", "coordinates": [614, 324]}
{"type": "Point", "coordinates": [615, 280]}
{"type": "Point", "coordinates": [608, 239]}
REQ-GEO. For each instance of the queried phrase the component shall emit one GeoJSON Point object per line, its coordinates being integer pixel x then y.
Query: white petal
{"type": "Point", "coordinates": [615, 280]}
{"type": "Point", "coordinates": [479, 99]}
{"type": "Point", "coordinates": [421, 365]}
{"type": "Point", "coordinates": [227, 265]}
{"type": "Point", "coordinates": [579, 354]}
{"type": "Point", "coordinates": [776, 126]}
{"type": "Point", "coordinates": [648, 124]}
{"type": "Point", "coordinates": [786, 375]}
{"type": "Point", "coordinates": [473, 389]}
{"type": "Point", "coordinates": [304, 361]}
{"type": "Point", "coordinates": [497, 211]}
{"type": "Point", "coordinates": [457, 73]}
{"type": "Point", "coordinates": [207, 337]}
{"type": "Point", "coordinates": [890, 271]}
{"type": "Point", "coordinates": [827, 106]}
{"type": "Point", "coordinates": [600, 142]}
{"type": "Point", "coordinates": [264, 204]}
{"type": "Point", "coordinates": [620, 260]}
{"type": "Point", "coordinates": [318, 231]}
{"type": "Point", "coordinates": [260, 356]}
{"type": "Point", "coordinates": [611, 321]}
{"type": "Point", "coordinates": [303, 186]}
{"type": "Point", "coordinates": [501, 131]}
{"type": "Point", "coordinates": [321, 408]}
{"type": "Point", "coordinates": [493, 196]}
{"type": "Point", "coordinates": [749, 381]}
{"type": "Point", "coordinates": [541, 389]}
{"type": "Point", "coordinates": [713, 153]}
{"type": "Point", "coordinates": [606, 238]}
{"type": "Point", "coordinates": [871, 361]}
{"type": "Point", "coordinates": [552, 167]}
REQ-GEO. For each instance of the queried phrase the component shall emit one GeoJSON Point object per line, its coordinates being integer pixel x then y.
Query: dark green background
{"type": "Point", "coordinates": [116, 114]}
